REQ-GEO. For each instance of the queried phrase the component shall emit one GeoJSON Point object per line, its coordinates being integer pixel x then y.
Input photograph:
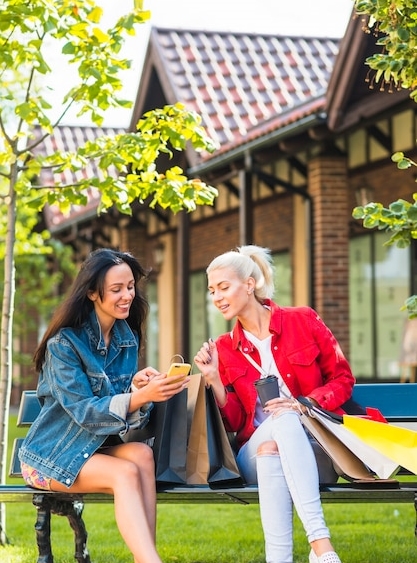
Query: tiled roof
{"type": "Point", "coordinates": [242, 84]}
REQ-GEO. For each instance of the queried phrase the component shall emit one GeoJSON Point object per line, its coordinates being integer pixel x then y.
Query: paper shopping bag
{"type": "Point", "coordinates": [223, 470]}
{"type": "Point", "coordinates": [170, 445]}
{"type": "Point", "coordinates": [380, 464]}
{"type": "Point", "coordinates": [346, 463]}
{"type": "Point", "coordinates": [395, 442]}
{"type": "Point", "coordinates": [166, 432]}
{"type": "Point", "coordinates": [197, 466]}
{"type": "Point", "coordinates": [210, 458]}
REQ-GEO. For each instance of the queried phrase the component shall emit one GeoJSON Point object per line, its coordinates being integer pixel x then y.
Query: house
{"type": "Point", "coordinates": [305, 136]}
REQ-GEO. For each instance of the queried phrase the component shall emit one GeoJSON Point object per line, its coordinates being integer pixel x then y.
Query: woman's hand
{"type": "Point", "coordinates": [280, 405]}
{"type": "Point", "coordinates": [142, 377]}
{"type": "Point", "coordinates": [207, 361]}
{"type": "Point", "coordinates": [155, 387]}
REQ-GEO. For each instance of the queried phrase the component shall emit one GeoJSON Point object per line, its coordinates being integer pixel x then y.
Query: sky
{"type": "Point", "coordinates": [313, 18]}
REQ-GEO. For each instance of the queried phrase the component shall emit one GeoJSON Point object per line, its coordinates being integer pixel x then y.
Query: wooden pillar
{"type": "Point", "coordinates": [246, 205]}
{"type": "Point", "coordinates": [183, 285]}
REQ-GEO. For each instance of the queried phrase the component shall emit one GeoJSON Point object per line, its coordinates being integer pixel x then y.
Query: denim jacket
{"type": "Point", "coordinates": [83, 389]}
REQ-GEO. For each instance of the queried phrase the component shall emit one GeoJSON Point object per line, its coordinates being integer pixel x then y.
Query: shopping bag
{"type": "Point", "coordinates": [355, 459]}
{"type": "Point", "coordinates": [383, 466]}
{"type": "Point", "coordinates": [395, 442]}
{"type": "Point", "coordinates": [166, 432]}
{"type": "Point", "coordinates": [346, 463]}
{"type": "Point", "coordinates": [197, 463]}
{"type": "Point", "coordinates": [210, 458]}
{"type": "Point", "coordinates": [223, 469]}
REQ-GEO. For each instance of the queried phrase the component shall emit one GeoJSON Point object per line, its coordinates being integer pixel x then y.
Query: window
{"type": "Point", "coordinates": [282, 279]}
{"type": "Point", "coordinates": [379, 283]}
{"type": "Point", "coordinates": [205, 320]}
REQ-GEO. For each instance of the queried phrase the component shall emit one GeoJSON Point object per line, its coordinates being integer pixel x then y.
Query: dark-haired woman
{"type": "Point", "coordinates": [91, 394]}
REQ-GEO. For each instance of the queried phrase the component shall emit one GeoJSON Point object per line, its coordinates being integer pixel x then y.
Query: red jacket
{"type": "Point", "coordinates": [308, 357]}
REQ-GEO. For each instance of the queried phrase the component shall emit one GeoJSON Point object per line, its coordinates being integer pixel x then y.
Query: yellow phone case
{"type": "Point", "coordinates": [179, 371]}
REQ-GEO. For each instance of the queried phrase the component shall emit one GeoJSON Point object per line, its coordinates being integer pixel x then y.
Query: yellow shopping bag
{"type": "Point", "coordinates": [395, 442]}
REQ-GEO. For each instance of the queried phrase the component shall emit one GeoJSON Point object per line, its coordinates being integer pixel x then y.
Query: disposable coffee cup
{"type": "Point", "coordinates": [267, 388]}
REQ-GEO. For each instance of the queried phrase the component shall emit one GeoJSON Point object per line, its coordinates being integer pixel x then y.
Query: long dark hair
{"type": "Point", "coordinates": [77, 307]}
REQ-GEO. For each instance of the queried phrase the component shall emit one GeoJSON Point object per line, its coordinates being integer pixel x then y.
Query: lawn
{"type": "Point", "coordinates": [362, 533]}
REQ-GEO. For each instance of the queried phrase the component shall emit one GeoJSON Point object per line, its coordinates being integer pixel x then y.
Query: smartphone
{"type": "Point", "coordinates": [179, 371]}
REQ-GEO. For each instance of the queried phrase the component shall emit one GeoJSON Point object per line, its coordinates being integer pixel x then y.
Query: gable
{"type": "Point", "coordinates": [241, 84]}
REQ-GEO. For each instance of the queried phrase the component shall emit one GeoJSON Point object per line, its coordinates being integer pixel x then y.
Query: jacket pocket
{"type": "Point", "coordinates": [235, 373]}
{"type": "Point", "coordinates": [305, 357]}
{"type": "Point", "coordinates": [99, 383]}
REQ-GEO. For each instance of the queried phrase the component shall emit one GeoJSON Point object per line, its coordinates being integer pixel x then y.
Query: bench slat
{"type": "Point", "coordinates": [342, 493]}
{"type": "Point", "coordinates": [28, 409]}
{"type": "Point", "coordinates": [396, 401]}
{"type": "Point", "coordinates": [15, 469]}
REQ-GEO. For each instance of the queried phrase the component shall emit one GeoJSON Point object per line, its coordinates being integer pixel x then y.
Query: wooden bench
{"type": "Point", "coordinates": [397, 401]}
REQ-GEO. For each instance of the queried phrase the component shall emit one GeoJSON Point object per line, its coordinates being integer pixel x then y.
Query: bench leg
{"type": "Point", "coordinates": [72, 509]}
{"type": "Point", "coordinates": [74, 516]}
{"type": "Point", "coordinates": [43, 528]}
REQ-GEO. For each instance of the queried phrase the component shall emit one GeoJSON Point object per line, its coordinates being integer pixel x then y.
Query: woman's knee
{"type": "Point", "coordinates": [128, 472]}
{"type": "Point", "coordinates": [267, 448]}
{"type": "Point", "coordinates": [138, 452]}
{"type": "Point", "coordinates": [142, 456]}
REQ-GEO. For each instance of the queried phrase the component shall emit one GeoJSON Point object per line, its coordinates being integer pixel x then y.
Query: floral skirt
{"type": "Point", "coordinates": [34, 478]}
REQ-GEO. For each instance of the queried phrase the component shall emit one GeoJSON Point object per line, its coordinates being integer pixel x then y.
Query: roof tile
{"type": "Point", "coordinates": [239, 82]}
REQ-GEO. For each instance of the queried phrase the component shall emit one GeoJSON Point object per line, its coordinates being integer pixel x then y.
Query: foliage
{"type": "Point", "coordinates": [28, 33]}
{"type": "Point", "coordinates": [133, 157]}
{"type": "Point", "coordinates": [395, 22]}
{"type": "Point", "coordinates": [399, 218]}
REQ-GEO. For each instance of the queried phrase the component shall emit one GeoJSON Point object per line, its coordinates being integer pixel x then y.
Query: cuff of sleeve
{"type": "Point", "coordinates": [119, 405]}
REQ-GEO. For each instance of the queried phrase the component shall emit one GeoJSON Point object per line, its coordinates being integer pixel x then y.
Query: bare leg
{"type": "Point", "coordinates": [133, 451]}
{"type": "Point", "coordinates": [127, 472]}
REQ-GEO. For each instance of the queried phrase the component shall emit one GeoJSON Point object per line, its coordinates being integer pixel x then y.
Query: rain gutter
{"type": "Point", "coordinates": [263, 141]}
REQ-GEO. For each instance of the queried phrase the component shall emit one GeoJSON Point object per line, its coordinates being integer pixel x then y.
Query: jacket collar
{"type": "Point", "coordinates": [122, 334]}
{"type": "Point", "coordinates": [275, 326]}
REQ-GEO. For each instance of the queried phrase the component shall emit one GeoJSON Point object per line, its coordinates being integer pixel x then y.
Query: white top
{"type": "Point", "coordinates": [268, 367]}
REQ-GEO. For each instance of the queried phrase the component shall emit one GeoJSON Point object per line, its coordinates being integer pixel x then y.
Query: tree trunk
{"type": "Point", "coordinates": [6, 340]}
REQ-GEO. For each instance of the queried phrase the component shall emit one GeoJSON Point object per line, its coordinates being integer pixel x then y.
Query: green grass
{"type": "Point", "coordinates": [361, 533]}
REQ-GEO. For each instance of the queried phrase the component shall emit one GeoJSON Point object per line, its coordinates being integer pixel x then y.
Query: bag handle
{"type": "Point", "coordinates": [314, 408]}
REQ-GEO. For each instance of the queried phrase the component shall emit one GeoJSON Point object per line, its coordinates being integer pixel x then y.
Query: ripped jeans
{"type": "Point", "coordinates": [286, 479]}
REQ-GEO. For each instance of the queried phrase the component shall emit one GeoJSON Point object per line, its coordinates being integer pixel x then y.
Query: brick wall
{"type": "Point", "coordinates": [273, 227]}
{"type": "Point", "coordinates": [329, 189]}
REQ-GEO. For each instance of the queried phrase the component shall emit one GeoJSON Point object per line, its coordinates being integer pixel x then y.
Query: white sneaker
{"type": "Point", "coordinates": [328, 557]}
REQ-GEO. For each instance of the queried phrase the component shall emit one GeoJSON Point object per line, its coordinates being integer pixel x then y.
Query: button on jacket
{"type": "Point", "coordinates": [308, 358]}
{"type": "Point", "coordinates": [83, 389]}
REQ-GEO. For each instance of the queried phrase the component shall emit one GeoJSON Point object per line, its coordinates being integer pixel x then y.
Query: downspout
{"type": "Point", "coordinates": [252, 146]}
